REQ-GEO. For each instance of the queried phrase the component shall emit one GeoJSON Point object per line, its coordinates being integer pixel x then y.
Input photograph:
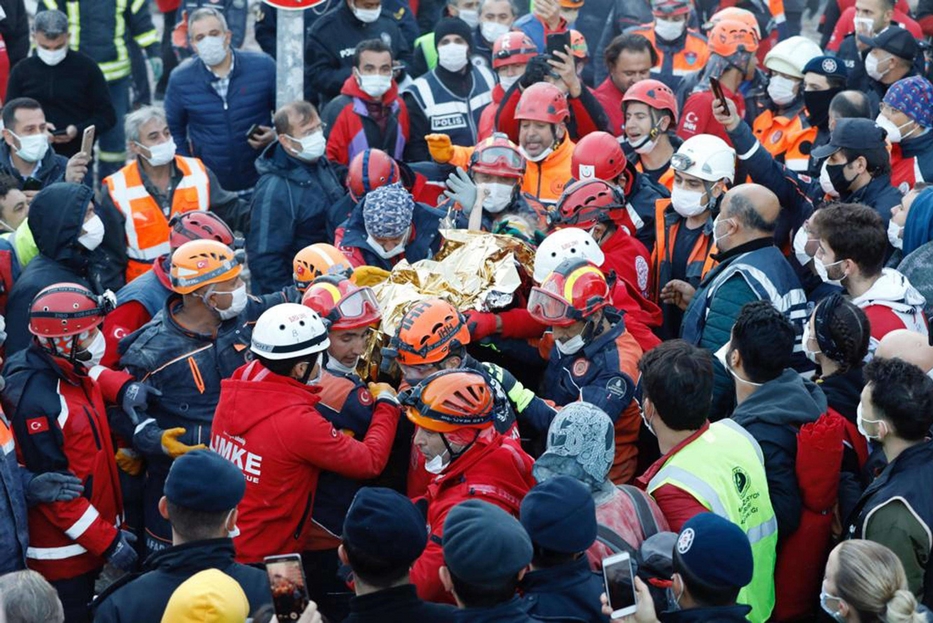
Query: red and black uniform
{"type": "Point", "coordinates": [697, 115]}
{"type": "Point", "coordinates": [268, 426]}
{"type": "Point", "coordinates": [137, 302]}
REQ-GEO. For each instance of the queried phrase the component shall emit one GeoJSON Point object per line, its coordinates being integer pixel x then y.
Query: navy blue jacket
{"type": "Point", "coordinates": [512, 611]}
{"type": "Point", "coordinates": [722, 614]}
{"type": "Point", "coordinates": [214, 130]}
{"type": "Point", "coordinates": [146, 290]}
{"type": "Point", "coordinates": [51, 167]}
{"type": "Point", "coordinates": [141, 598]}
{"type": "Point", "coordinates": [424, 242]}
{"type": "Point", "coordinates": [398, 605]}
{"type": "Point", "coordinates": [14, 525]}
{"type": "Point", "coordinates": [569, 591]}
{"type": "Point", "coordinates": [288, 212]}
{"type": "Point", "coordinates": [55, 219]}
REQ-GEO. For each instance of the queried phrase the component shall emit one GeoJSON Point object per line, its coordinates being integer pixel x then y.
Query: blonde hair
{"type": "Point", "coordinates": [871, 580]}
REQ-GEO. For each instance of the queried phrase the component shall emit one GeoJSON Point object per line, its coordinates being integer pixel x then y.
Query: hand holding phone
{"type": "Point", "coordinates": [558, 41]}
{"type": "Point", "coordinates": [87, 140]}
{"type": "Point", "coordinates": [619, 577]}
{"type": "Point", "coordinates": [289, 589]}
{"type": "Point", "coordinates": [716, 88]}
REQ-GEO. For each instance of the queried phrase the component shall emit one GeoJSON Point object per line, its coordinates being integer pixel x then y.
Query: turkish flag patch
{"type": "Point", "coordinates": [37, 425]}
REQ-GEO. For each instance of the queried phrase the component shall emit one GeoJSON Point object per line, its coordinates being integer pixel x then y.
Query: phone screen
{"type": "Point", "coordinates": [287, 581]}
{"type": "Point", "coordinates": [620, 586]}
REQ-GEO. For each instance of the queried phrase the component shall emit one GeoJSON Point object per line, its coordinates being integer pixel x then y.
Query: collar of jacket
{"type": "Point", "coordinates": [751, 245]}
{"type": "Point", "coordinates": [919, 145]}
{"type": "Point", "coordinates": [872, 189]}
{"type": "Point", "coordinates": [460, 82]}
{"type": "Point", "coordinates": [193, 557]}
{"type": "Point", "coordinates": [557, 578]}
{"type": "Point", "coordinates": [173, 302]}
{"type": "Point", "coordinates": [73, 374]}
{"type": "Point", "coordinates": [616, 328]}
{"type": "Point", "coordinates": [388, 599]}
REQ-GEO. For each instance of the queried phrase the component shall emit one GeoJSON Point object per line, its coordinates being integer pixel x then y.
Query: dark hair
{"type": "Point", "coordinates": [848, 330]}
{"type": "Point", "coordinates": [836, 82]}
{"type": "Point", "coordinates": [544, 558]}
{"type": "Point", "coordinates": [765, 339]}
{"type": "Point", "coordinates": [631, 42]}
{"type": "Point", "coordinates": [854, 232]}
{"type": "Point", "coordinates": [7, 183]}
{"type": "Point", "coordinates": [370, 45]}
{"type": "Point", "coordinates": [702, 593]}
{"type": "Point", "coordinates": [877, 158]}
{"type": "Point", "coordinates": [195, 525]}
{"type": "Point", "coordinates": [304, 110]}
{"type": "Point", "coordinates": [283, 367]}
{"type": "Point", "coordinates": [903, 394]}
{"type": "Point", "coordinates": [744, 210]}
{"type": "Point", "coordinates": [889, 4]}
{"type": "Point", "coordinates": [850, 105]}
{"type": "Point", "coordinates": [481, 596]}
{"type": "Point", "coordinates": [9, 110]}
{"type": "Point", "coordinates": [678, 378]}
{"type": "Point", "coordinates": [373, 571]}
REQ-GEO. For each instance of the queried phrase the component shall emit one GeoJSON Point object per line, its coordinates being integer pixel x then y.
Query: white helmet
{"type": "Point", "coordinates": [792, 55]}
{"type": "Point", "coordinates": [289, 330]}
{"type": "Point", "coordinates": [563, 244]}
{"type": "Point", "coordinates": [705, 156]}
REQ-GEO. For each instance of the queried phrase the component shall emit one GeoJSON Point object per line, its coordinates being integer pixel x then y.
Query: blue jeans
{"type": "Point", "coordinates": [112, 145]}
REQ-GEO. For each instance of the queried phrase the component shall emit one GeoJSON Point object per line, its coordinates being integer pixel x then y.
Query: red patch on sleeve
{"type": "Point", "coordinates": [365, 397]}
{"type": "Point", "coordinates": [37, 425]}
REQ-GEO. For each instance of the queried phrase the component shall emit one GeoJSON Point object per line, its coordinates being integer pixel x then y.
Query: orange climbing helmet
{"type": "Point", "coordinates": [429, 332]}
{"type": "Point", "coordinates": [318, 259]}
{"type": "Point", "coordinates": [202, 262]}
{"type": "Point", "coordinates": [450, 400]}
{"type": "Point", "coordinates": [729, 36]}
{"type": "Point", "coordinates": [573, 292]}
{"type": "Point", "coordinates": [345, 305]}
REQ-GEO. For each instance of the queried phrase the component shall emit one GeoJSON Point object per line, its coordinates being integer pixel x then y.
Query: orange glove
{"type": "Point", "coordinates": [383, 390]}
{"type": "Point", "coordinates": [130, 461]}
{"type": "Point", "coordinates": [442, 150]}
{"type": "Point", "coordinates": [174, 448]}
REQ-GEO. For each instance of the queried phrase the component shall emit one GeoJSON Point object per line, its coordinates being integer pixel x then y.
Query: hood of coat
{"type": "Point", "coordinates": [275, 160]}
{"type": "Point", "coordinates": [56, 216]}
{"type": "Point", "coordinates": [788, 399]}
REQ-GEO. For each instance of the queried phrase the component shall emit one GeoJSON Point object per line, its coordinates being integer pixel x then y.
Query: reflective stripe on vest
{"type": "Point", "coordinates": [146, 227]}
{"type": "Point", "coordinates": [724, 470]}
{"type": "Point", "coordinates": [54, 553]}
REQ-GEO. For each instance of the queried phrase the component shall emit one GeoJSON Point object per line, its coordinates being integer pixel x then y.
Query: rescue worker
{"type": "Point", "coordinates": [466, 458]}
{"type": "Point", "coordinates": [142, 197]}
{"type": "Point", "coordinates": [704, 166]}
{"type": "Point", "coordinates": [705, 465]}
{"type": "Point", "coordinates": [450, 97]}
{"type": "Point", "coordinates": [317, 260]}
{"type": "Point", "coordinates": [782, 129]}
{"type": "Point", "coordinates": [56, 394]}
{"type": "Point", "coordinates": [198, 339]}
{"type": "Point", "coordinates": [629, 59]}
{"type": "Point", "coordinates": [267, 423]}
{"type": "Point", "coordinates": [139, 301]}
{"type": "Point", "coordinates": [510, 55]}
{"type": "Point", "coordinates": [681, 50]}
{"type": "Point", "coordinates": [823, 78]}
{"type": "Point", "coordinates": [369, 169]}
{"type": "Point", "coordinates": [907, 116]}
{"type": "Point", "coordinates": [593, 357]}
{"type": "Point", "coordinates": [732, 46]}
{"type": "Point", "coordinates": [650, 109]}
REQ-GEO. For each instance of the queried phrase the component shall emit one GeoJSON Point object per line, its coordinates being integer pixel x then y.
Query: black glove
{"type": "Point", "coordinates": [535, 71]}
{"type": "Point", "coordinates": [136, 396]}
{"type": "Point", "coordinates": [53, 487]}
{"type": "Point", "coordinates": [121, 554]}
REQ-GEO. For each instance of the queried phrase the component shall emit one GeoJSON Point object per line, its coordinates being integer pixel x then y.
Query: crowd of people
{"type": "Point", "coordinates": [714, 356]}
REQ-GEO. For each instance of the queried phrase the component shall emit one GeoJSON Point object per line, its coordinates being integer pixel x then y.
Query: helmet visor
{"type": "Point", "coordinates": [548, 308]}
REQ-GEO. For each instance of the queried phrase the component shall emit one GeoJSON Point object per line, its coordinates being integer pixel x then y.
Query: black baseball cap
{"type": "Point", "coordinates": [895, 40]}
{"type": "Point", "coordinates": [854, 133]}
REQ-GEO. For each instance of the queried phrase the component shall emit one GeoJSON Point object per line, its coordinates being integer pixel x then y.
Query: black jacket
{"type": "Point", "coordinates": [51, 167]}
{"type": "Point", "coordinates": [141, 598]}
{"type": "Point", "coordinates": [399, 604]}
{"type": "Point", "coordinates": [74, 92]}
{"type": "Point", "coordinates": [15, 30]}
{"type": "Point", "coordinates": [570, 592]}
{"type": "Point", "coordinates": [723, 614]}
{"type": "Point", "coordinates": [55, 218]}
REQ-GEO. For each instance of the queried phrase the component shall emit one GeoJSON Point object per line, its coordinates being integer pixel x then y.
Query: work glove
{"type": "Point", "coordinates": [53, 487]}
{"type": "Point", "coordinates": [517, 393]}
{"type": "Point", "coordinates": [441, 148]}
{"type": "Point", "coordinates": [174, 448]}
{"type": "Point", "coordinates": [480, 324]}
{"type": "Point", "coordinates": [156, 64]}
{"type": "Point", "coordinates": [383, 391]}
{"type": "Point", "coordinates": [121, 554]}
{"type": "Point", "coordinates": [461, 189]}
{"type": "Point", "coordinates": [136, 396]}
{"type": "Point", "coordinates": [369, 276]}
{"type": "Point", "coordinates": [535, 71]}
{"type": "Point", "coordinates": [129, 461]}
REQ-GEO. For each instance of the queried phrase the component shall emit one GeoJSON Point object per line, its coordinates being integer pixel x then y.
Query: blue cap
{"type": "Point", "coordinates": [204, 481]}
{"type": "Point", "coordinates": [386, 526]}
{"type": "Point", "coordinates": [827, 66]}
{"type": "Point", "coordinates": [387, 211]}
{"type": "Point", "coordinates": [483, 545]}
{"type": "Point", "coordinates": [894, 40]}
{"type": "Point", "coordinates": [559, 515]}
{"type": "Point", "coordinates": [715, 551]}
{"type": "Point", "coordinates": [854, 133]}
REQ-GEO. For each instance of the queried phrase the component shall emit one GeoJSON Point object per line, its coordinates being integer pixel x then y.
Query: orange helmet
{"type": "Point", "coordinates": [598, 155]}
{"type": "Point", "coordinates": [735, 13]}
{"type": "Point", "coordinates": [428, 333]}
{"type": "Point", "coordinates": [318, 259]}
{"type": "Point", "coordinates": [542, 102]}
{"type": "Point", "coordinates": [513, 48]}
{"type": "Point", "coordinates": [345, 305]}
{"type": "Point", "coordinates": [202, 262]}
{"type": "Point", "coordinates": [499, 156]}
{"type": "Point", "coordinates": [653, 93]}
{"type": "Point", "coordinates": [573, 292]}
{"type": "Point", "coordinates": [450, 400]}
{"type": "Point", "coordinates": [729, 36]}
{"type": "Point", "coordinates": [370, 169]}
{"type": "Point", "coordinates": [578, 47]}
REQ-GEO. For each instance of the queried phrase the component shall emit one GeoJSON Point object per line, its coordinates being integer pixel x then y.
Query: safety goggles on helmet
{"type": "Point", "coordinates": [494, 156]}
{"type": "Point", "coordinates": [358, 304]}
{"type": "Point", "coordinates": [550, 309]}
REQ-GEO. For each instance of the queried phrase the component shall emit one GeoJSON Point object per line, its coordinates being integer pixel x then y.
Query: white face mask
{"type": "Point", "coordinates": [508, 81]}
{"type": "Point", "coordinates": [895, 235]}
{"type": "Point", "coordinates": [499, 197]}
{"type": "Point", "coordinates": [32, 148]}
{"type": "Point", "coordinates": [781, 90]}
{"type": "Point", "coordinates": [871, 68]}
{"type": "Point", "coordinates": [453, 56]}
{"type": "Point", "coordinates": [894, 131]}
{"type": "Point", "coordinates": [864, 26]}
{"type": "Point", "coordinates": [232, 534]}
{"type": "Point", "coordinates": [669, 30]}
{"type": "Point", "coordinates": [238, 302]}
{"type": "Point", "coordinates": [367, 16]}
{"type": "Point", "coordinates": [823, 271]}
{"type": "Point", "coordinates": [811, 354]}
{"type": "Point", "coordinates": [96, 350]}
{"type": "Point", "coordinates": [827, 184]}
{"type": "Point", "coordinates": [212, 50]}
{"type": "Point", "coordinates": [571, 346]}
{"type": "Point", "coordinates": [800, 246]}
{"type": "Point", "coordinates": [438, 464]}
{"type": "Point", "coordinates": [312, 146]}
{"type": "Point", "coordinates": [687, 203]}
{"type": "Point", "coordinates": [645, 145]}
{"type": "Point", "coordinates": [379, 250]}
{"type": "Point", "coordinates": [374, 85]}
{"type": "Point", "coordinates": [160, 154]}
{"type": "Point", "coordinates": [316, 379]}
{"type": "Point", "coordinates": [491, 31]}
{"type": "Point", "coordinates": [544, 154]}
{"type": "Point", "coordinates": [333, 365]}
{"type": "Point", "coordinates": [717, 238]}
{"type": "Point", "coordinates": [52, 57]}
{"type": "Point", "coordinates": [470, 16]}
{"type": "Point", "coordinates": [860, 422]}
{"type": "Point", "coordinates": [92, 233]}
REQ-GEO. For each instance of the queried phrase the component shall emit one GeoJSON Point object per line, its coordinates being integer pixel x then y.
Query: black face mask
{"type": "Point", "coordinates": [837, 176]}
{"type": "Point", "coordinates": [817, 103]}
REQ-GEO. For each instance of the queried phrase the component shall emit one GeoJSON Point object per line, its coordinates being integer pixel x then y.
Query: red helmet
{"type": "Point", "coordinates": [578, 47]}
{"type": "Point", "coordinates": [513, 48]}
{"type": "Point", "coordinates": [729, 36]}
{"type": "Point", "coordinates": [587, 202]}
{"type": "Point", "coordinates": [370, 169]}
{"type": "Point", "coordinates": [542, 102]}
{"type": "Point", "coordinates": [198, 225]}
{"type": "Point", "coordinates": [655, 94]}
{"type": "Point", "coordinates": [67, 309]}
{"type": "Point", "coordinates": [665, 8]}
{"type": "Point", "coordinates": [573, 292]}
{"type": "Point", "coordinates": [598, 155]}
{"type": "Point", "coordinates": [497, 155]}
{"type": "Point", "coordinates": [345, 305]}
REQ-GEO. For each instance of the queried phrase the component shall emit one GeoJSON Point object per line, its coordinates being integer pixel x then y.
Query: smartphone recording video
{"type": "Point", "coordinates": [289, 590]}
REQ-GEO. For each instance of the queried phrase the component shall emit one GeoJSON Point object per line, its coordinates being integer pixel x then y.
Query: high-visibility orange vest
{"type": "Point", "coordinates": [691, 58]}
{"type": "Point", "coordinates": [786, 138]}
{"type": "Point", "coordinates": [699, 262]}
{"type": "Point", "coordinates": [147, 232]}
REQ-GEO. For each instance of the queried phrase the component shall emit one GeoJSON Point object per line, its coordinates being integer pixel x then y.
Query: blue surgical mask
{"type": "Point", "coordinates": [835, 614]}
